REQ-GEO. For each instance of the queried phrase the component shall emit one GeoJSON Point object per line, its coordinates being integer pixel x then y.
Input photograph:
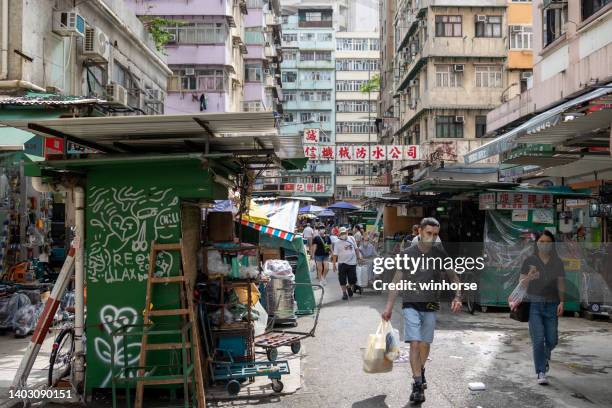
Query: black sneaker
{"type": "Point", "coordinates": [350, 291]}
{"type": "Point", "coordinates": [423, 377]}
{"type": "Point", "coordinates": [418, 395]}
{"type": "Point", "coordinates": [344, 296]}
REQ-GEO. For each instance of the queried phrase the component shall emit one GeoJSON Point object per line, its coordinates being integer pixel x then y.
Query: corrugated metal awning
{"type": "Point", "coordinates": [239, 133]}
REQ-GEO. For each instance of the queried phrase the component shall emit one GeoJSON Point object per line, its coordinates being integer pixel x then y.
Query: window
{"type": "Point", "coordinates": [488, 76]}
{"type": "Point", "coordinates": [350, 86]}
{"type": "Point", "coordinates": [314, 116]}
{"type": "Point", "coordinates": [199, 33]}
{"type": "Point", "coordinates": [356, 106]}
{"type": "Point", "coordinates": [491, 27]}
{"type": "Point", "coordinates": [316, 96]}
{"type": "Point", "coordinates": [357, 64]}
{"type": "Point", "coordinates": [289, 76]}
{"type": "Point", "coordinates": [357, 44]}
{"type": "Point", "coordinates": [288, 117]}
{"type": "Point", "coordinates": [590, 7]}
{"type": "Point", "coordinates": [316, 75]}
{"type": "Point", "coordinates": [290, 37]}
{"type": "Point", "coordinates": [374, 44]}
{"type": "Point", "coordinates": [285, 19]}
{"type": "Point", "coordinates": [525, 80]}
{"type": "Point", "coordinates": [448, 26]}
{"type": "Point", "coordinates": [447, 77]}
{"type": "Point", "coordinates": [520, 37]}
{"type": "Point", "coordinates": [554, 17]}
{"type": "Point", "coordinates": [289, 96]}
{"type": "Point", "coordinates": [481, 126]}
{"type": "Point", "coordinates": [446, 127]}
{"type": "Point", "coordinates": [211, 80]}
{"type": "Point", "coordinates": [324, 37]}
{"type": "Point", "coordinates": [307, 36]}
{"type": "Point", "coordinates": [252, 72]}
{"type": "Point", "coordinates": [355, 127]}
{"type": "Point", "coordinates": [289, 55]}
{"type": "Point", "coordinates": [315, 56]}
{"type": "Point", "coordinates": [313, 16]}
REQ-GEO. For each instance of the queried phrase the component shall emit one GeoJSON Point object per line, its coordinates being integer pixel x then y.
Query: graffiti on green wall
{"type": "Point", "coordinates": [118, 225]}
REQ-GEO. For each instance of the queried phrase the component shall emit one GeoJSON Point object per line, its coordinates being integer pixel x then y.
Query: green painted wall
{"type": "Point", "coordinates": [127, 207]}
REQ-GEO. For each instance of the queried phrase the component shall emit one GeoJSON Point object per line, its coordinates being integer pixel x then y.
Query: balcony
{"type": "Point", "coordinates": [288, 64]}
{"type": "Point", "coordinates": [174, 8]}
{"type": "Point", "coordinates": [312, 84]}
{"type": "Point", "coordinates": [316, 24]}
{"type": "Point", "coordinates": [317, 45]}
{"type": "Point", "coordinates": [323, 64]}
{"type": "Point", "coordinates": [217, 54]}
{"type": "Point", "coordinates": [272, 20]}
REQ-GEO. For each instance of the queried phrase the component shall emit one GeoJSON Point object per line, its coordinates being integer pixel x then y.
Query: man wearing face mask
{"type": "Point", "coordinates": [346, 254]}
{"type": "Point", "coordinates": [419, 307]}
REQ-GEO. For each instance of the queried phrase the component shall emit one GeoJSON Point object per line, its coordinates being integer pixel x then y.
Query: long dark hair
{"type": "Point", "coordinates": [540, 234]}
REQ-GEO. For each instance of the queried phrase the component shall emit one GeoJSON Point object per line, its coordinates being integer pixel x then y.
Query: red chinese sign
{"type": "Point", "coordinates": [54, 145]}
{"type": "Point", "coordinates": [523, 201]}
{"type": "Point", "coordinates": [362, 152]}
{"type": "Point", "coordinates": [311, 136]}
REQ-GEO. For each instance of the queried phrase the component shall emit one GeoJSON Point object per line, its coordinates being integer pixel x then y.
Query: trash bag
{"type": "Point", "coordinates": [261, 323]}
{"type": "Point", "coordinates": [242, 293]}
{"type": "Point", "coordinates": [374, 360]}
{"type": "Point", "coordinates": [392, 342]}
{"type": "Point", "coordinates": [278, 268]}
{"type": "Point", "coordinates": [9, 307]}
{"type": "Point", "coordinates": [26, 318]}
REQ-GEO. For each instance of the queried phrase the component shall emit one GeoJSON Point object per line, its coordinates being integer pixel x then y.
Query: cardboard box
{"type": "Point", "coordinates": [269, 253]}
{"type": "Point", "coordinates": [220, 226]}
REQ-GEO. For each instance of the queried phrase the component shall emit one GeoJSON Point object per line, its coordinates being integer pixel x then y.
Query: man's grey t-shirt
{"type": "Point", "coordinates": [419, 299]}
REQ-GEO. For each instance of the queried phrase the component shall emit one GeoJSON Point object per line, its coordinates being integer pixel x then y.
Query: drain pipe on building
{"type": "Point", "coordinates": [78, 371]}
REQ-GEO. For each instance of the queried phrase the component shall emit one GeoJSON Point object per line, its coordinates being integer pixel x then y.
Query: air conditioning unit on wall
{"type": "Point", "coordinates": [458, 67]}
{"type": "Point", "coordinates": [116, 94]}
{"type": "Point", "coordinates": [481, 18]}
{"type": "Point", "coordinates": [96, 46]}
{"type": "Point", "coordinates": [459, 119]}
{"type": "Point", "coordinates": [68, 23]}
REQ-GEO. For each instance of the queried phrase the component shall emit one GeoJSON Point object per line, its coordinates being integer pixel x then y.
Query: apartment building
{"type": "Point", "coordinates": [519, 62]}
{"type": "Point", "coordinates": [349, 15]}
{"type": "Point", "coordinates": [387, 110]}
{"type": "Point", "coordinates": [262, 72]}
{"type": "Point", "coordinates": [450, 64]}
{"type": "Point", "coordinates": [95, 57]}
{"type": "Point", "coordinates": [206, 52]}
{"type": "Point", "coordinates": [308, 89]}
{"type": "Point", "coordinates": [357, 63]}
{"type": "Point", "coordinates": [565, 115]}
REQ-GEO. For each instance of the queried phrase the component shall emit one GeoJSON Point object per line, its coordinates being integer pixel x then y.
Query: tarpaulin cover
{"type": "Point", "coordinates": [256, 213]}
{"type": "Point", "coordinates": [281, 213]}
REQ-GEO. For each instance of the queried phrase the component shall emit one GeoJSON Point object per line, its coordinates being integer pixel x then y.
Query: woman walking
{"type": "Point", "coordinates": [543, 275]}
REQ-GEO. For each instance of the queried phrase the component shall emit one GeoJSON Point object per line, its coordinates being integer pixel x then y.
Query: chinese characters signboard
{"type": "Point", "coordinates": [305, 187]}
{"type": "Point", "coordinates": [514, 201]}
{"type": "Point", "coordinates": [376, 191]}
{"type": "Point", "coordinates": [362, 152]}
{"type": "Point", "coordinates": [311, 135]}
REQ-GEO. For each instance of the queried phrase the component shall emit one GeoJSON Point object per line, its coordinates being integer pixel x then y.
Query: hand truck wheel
{"type": "Point", "coordinates": [296, 347]}
{"type": "Point", "coordinates": [233, 387]}
{"type": "Point", "coordinates": [277, 385]}
{"type": "Point", "coordinates": [272, 354]}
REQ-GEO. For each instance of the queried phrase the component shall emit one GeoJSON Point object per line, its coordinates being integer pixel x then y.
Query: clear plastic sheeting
{"type": "Point", "coordinates": [277, 268]}
{"type": "Point", "coordinates": [26, 318]}
{"type": "Point", "coordinates": [505, 243]}
{"type": "Point", "coordinates": [9, 306]}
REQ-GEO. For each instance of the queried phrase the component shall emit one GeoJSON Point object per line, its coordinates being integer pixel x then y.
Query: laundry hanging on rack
{"type": "Point", "coordinates": [203, 100]}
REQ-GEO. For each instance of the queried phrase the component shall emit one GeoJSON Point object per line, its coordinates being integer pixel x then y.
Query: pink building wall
{"type": "Point", "coordinates": [181, 103]}
{"type": "Point", "coordinates": [180, 8]}
{"type": "Point", "coordinates": [217, 54]}
{"type": "Point", "coordinates": [254, 91]}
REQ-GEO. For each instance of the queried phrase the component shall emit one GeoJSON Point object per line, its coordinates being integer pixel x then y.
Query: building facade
{"type": "Point", "coordinates": [564, 113]}
{"type": "Point", "coordinates": [357, 64]}
{"type": "Point", "coordinates": [450, 64]}
{"type": "Point", "coordinates": [98, 50]}
{"type": "Point", "coordinates": [387, 110]}
{"type": "Point", "coordinates": [206, 52]}
{"type": "Point", "coordinates": [519, 62]}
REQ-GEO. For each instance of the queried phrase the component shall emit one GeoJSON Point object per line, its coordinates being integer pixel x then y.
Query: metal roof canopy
{"type": "Point", "coordinates": [451, 185]}
{"type": "Point", "coordinates": [244, 133]}
{"type": "Point", "coordinates": [508, 140]}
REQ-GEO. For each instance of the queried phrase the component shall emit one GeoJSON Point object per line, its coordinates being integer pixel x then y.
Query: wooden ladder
{"type": "Point", "coordinates": [187, 313]}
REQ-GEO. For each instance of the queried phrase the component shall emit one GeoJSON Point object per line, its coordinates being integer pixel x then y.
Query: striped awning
{"type": "Point", "coordinates": [275, 232]}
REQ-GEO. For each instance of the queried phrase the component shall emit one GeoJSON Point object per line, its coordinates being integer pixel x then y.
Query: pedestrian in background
{"type": "Point", "coordinates": [543, 275]}
{"type": "Point", "coordinates": [358, 234]}
{"type": "Point", "coordinates": [321, 244]}
{"type": "Point", "coordinates": [308, 235]}
{"type": "Point", "coordinates": [418, 306]}
{"type": "Point", "coordinates": [345, 259]}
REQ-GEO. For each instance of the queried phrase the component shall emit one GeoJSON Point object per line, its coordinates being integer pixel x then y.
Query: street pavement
{"type": "Point", "coordinates": [485, 347]}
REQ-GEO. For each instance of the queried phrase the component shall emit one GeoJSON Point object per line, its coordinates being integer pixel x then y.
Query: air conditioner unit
{"type": "Point", "coordinates": [517, 29]}
{"type": "Point", "coordinates": [116, 94]}
{"type": "Point", "coordinates": [171, 38]}
{"type": "Point", "coordinates": [458, 67]}
{"type": "Point", "coordinates": [68, 23]}
{"type": "Point", "coordinates": [526, 74]}
{"type": "Point", "coordinates": [459, 119]}
{"type": "Point", "coordinates": [189, 71]}
{"type": "Point", "coordinates": [412, 82]}
{"type": "Point", "coordinates": [96, 46]}
{"type": "Point", "coordinates": [481, 17]}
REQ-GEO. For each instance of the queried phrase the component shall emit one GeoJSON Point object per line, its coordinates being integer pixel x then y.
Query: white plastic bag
{"type": "Point", "coordinates": [393, 344]}
{"type": "Point", "coordinates": [374, 360]}
{"type": "Point", "coordinates": [362, 275]}
{"type": "Point", "coordinates": [259, 325]}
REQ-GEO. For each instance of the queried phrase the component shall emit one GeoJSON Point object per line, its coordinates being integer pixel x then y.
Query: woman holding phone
{"type": "Point", "coordinates": [543, 275]}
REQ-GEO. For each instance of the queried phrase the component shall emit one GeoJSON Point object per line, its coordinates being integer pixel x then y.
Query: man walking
{"type": "Point", "coordinates": [419, 307]}
{"type": "Point", "coordinates": [346, 254]}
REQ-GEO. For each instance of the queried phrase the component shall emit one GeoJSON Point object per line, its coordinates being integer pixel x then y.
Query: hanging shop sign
{"type": "Point", "coordinates": [377, 191]}
{"type": "Point", "coordinates": [54, 145]}
{"type": "Point", "coordinates": [312, 135]}
{"type": "Point", "coordinates": [486, 201]}
{"type": "Point", "coordinates": [362, 152]}
{"type": "Point", "coordinates": [306, 187]}
{"type": "Point", "coordinates": [543, 216]}
{"type": "Point", "coordinates": [520, 215]}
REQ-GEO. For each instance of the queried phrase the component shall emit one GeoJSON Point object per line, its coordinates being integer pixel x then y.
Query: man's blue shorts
{"type": "Point", "coordinates": [418, 326]}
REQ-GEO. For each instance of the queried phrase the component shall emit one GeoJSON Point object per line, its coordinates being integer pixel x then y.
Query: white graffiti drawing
{"type": "Point", "coordinates": [122, 223]}
{"type": "Point", "coordinates": [113, 318]}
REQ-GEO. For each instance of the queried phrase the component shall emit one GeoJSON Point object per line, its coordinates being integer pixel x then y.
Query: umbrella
{"type": "Point", "coordinates": [326, 213]}
{"type": "Point", "coordinates": [311, 209]}
{"type": "Point", "coordinates": [343, 205]}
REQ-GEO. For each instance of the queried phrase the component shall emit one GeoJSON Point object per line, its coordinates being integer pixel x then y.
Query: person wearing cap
{"type": "Point", "coordinates": [345, 259]}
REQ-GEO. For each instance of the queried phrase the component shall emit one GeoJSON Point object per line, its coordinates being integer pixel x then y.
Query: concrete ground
{"type": "Point", "coordinates": [485, 347]}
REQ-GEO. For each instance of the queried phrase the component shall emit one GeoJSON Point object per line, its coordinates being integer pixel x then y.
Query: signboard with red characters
{"type": "Point", "coordinates": [362, 152]}
{"type": "Point", "coordinates": [54, 145]}
{"type": "Point", "coordinates": [311, 135]}
{"type": "Point", "coordinates": [523, 201]}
